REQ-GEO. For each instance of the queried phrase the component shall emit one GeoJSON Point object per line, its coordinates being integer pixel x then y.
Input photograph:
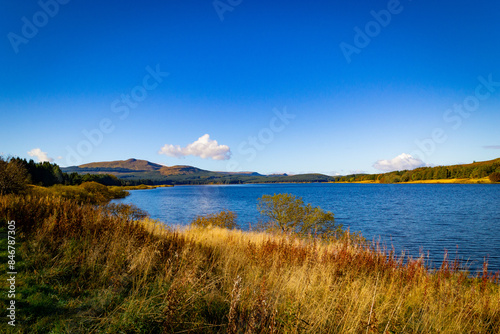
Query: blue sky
{"type": "Point", "coordinates": [330, 86]}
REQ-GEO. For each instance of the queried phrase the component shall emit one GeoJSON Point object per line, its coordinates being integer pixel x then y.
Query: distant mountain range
{"type": "Point", "coordinates": [142, 171]}
{"type": "Point", "coordinates": [134, 169]}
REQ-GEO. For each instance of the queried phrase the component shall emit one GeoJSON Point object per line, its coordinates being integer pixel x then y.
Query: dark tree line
{"type": "Point", "coordinates": [16, 174]}
{"type": "Point", "coordinates": [47, 174]}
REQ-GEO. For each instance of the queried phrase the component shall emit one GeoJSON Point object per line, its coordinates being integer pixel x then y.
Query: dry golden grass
{"type": "Point", "coordinates": [341, 287]}
{"type": "Point", "coordinates": [460, 181]}
{"type": "Point", "coordinates": [102, 272]}
{"type": "Point", "coordinates": [437, 181]}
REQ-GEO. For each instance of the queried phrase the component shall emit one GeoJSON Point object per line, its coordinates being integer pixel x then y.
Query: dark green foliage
{"type": "Point", "coordinates": [154, 178]}
{"type": "Point", "coordinates": [48, 174]}
{"type": "Point", "coordinates": [224, 219]}
{"type": "Point", "coordinates": [43, 173]}
{"type": "Point", "coordinates": [406, 177]}
{"type": "Point", "coordinates": [287, 213]}
{"type": "Point", "coordinates": [393, 177]}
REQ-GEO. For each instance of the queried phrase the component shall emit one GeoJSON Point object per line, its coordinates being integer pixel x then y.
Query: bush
{"type": "Point", "coordinates": [287, 213]}
{"type": "Point", "coordinates": [495, 177]}
{"type": "Point", "coordinates": [126, 211]}
{"type": "Point", "coordinates": [224, 219]}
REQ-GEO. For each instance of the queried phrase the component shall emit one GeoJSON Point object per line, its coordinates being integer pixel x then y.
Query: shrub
{"type": "Point", "coordinates": [287, 213]}
{"type": "Point", "coordinates": [224, 219]}
{"type": "Point", "coordinates": [126, 211]}
{"type": "Point", "coordinates": [495, 177]}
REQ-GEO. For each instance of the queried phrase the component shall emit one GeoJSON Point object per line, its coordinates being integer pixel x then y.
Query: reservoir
{"type": "Point", "coordinates": [429, 219]}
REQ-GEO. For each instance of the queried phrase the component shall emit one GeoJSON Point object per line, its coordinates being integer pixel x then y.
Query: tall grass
{"type": "Point", "coordinates": [90, 269]}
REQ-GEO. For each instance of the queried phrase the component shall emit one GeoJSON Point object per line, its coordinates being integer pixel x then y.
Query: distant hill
{"type": "Point", "coordinates": [182, 170]}
{"type": "Point", "coordinates": [134, 169]}
{"type": "Point", "coordinates": [133, 166]}
{"type": "Point", "coordinates": [130, 164]}
{"type": "Point", "coordinates": [479, 163]}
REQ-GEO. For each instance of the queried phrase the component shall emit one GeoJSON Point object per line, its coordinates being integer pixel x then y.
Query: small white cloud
{"type": "Point", "coordinates": [41, 156]}
{"type": "Point", "coordinates": [204, 147]}
{"type": "Point", "coordinates": [401, 162]}
{"type": "Point", "coordinates": [492, 147]}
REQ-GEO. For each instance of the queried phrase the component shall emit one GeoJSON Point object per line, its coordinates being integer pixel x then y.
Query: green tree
{"type": "Point", "coordinates": [406, 176]}
{"type": "Point", "coordinates": [440, 173]}
{"type": "Point", "coordinates": [428, 174]}
{"type": "Point", "coordinates": [479, 172]}
{"type": "Point", "coordinates": [224, 219]}
{"type": "Point", "coordinates": [287, 213]}
{"type": "Point", "coordinates": [13, 177]}
{"type": "Point", "coordinates": [416, 176]}
{"type": "Point", "coordinates": [96, 192]}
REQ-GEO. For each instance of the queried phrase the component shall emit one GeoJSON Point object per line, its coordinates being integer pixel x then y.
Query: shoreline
{"type": "Point", "coordinates": [437, 181]}
{"type": "Point", "coordinates": [483, 180]}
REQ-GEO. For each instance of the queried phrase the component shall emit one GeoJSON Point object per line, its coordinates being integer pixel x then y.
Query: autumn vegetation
{"type": "Point", "coordinates": [495, 177]}
{"type": "Point", "coordinates": [87, 266]}
{"type": "Point", "coordinates": [109, 268]}
{"type": "Point", "coordinates": [476, 172]}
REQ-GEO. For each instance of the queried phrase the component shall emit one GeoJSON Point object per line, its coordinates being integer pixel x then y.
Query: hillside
{"type": "Point", "coordinates": [182, 170]}
{"type": "Point", "coordinates": [464, 173]}
{"type": "Point", "coordinates": [479, 163]}
{"type": "Point", "coordinates": [130, 164]}
{"type": "Point", "coordinates": [134, 169]}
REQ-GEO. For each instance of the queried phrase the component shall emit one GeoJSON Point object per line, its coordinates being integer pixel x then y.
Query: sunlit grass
{"type": "Point", "coordinates": [87, 269]}
{"type": "Point", "coordinates": [483, 180]}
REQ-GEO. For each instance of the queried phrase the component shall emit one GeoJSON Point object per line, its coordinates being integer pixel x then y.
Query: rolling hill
{"type": "Point", "coordinates": [134, 169]}
{"type": "Point", "coordinates": [130, 164]}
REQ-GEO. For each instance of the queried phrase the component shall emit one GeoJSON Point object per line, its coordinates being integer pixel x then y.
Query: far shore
{"type": "Point", "coordinates": [483, 180]}
{"type": "Point", "coordinates": [143, 187]}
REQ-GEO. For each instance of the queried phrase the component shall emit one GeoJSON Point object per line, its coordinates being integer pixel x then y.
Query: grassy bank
{"type": "Point", "coordinates": [483, 180]}
{"type": "Point", "coordinates": [92, 269]}
{"type": "Point", "coordinates": [140, 187]}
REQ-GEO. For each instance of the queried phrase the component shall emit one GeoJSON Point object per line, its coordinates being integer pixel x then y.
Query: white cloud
{"type": "Point", "coordinates": [204, 147]}
{"type": "Point", "coordinates": [401, 162]}
{"type": "Point", "coordinates": [492, 147]}
{"type": "Point", "coordinates": [41, 156]}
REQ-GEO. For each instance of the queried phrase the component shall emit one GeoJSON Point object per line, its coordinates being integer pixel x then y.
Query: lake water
{"type": "Point", "coordinates": [428, 218]}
